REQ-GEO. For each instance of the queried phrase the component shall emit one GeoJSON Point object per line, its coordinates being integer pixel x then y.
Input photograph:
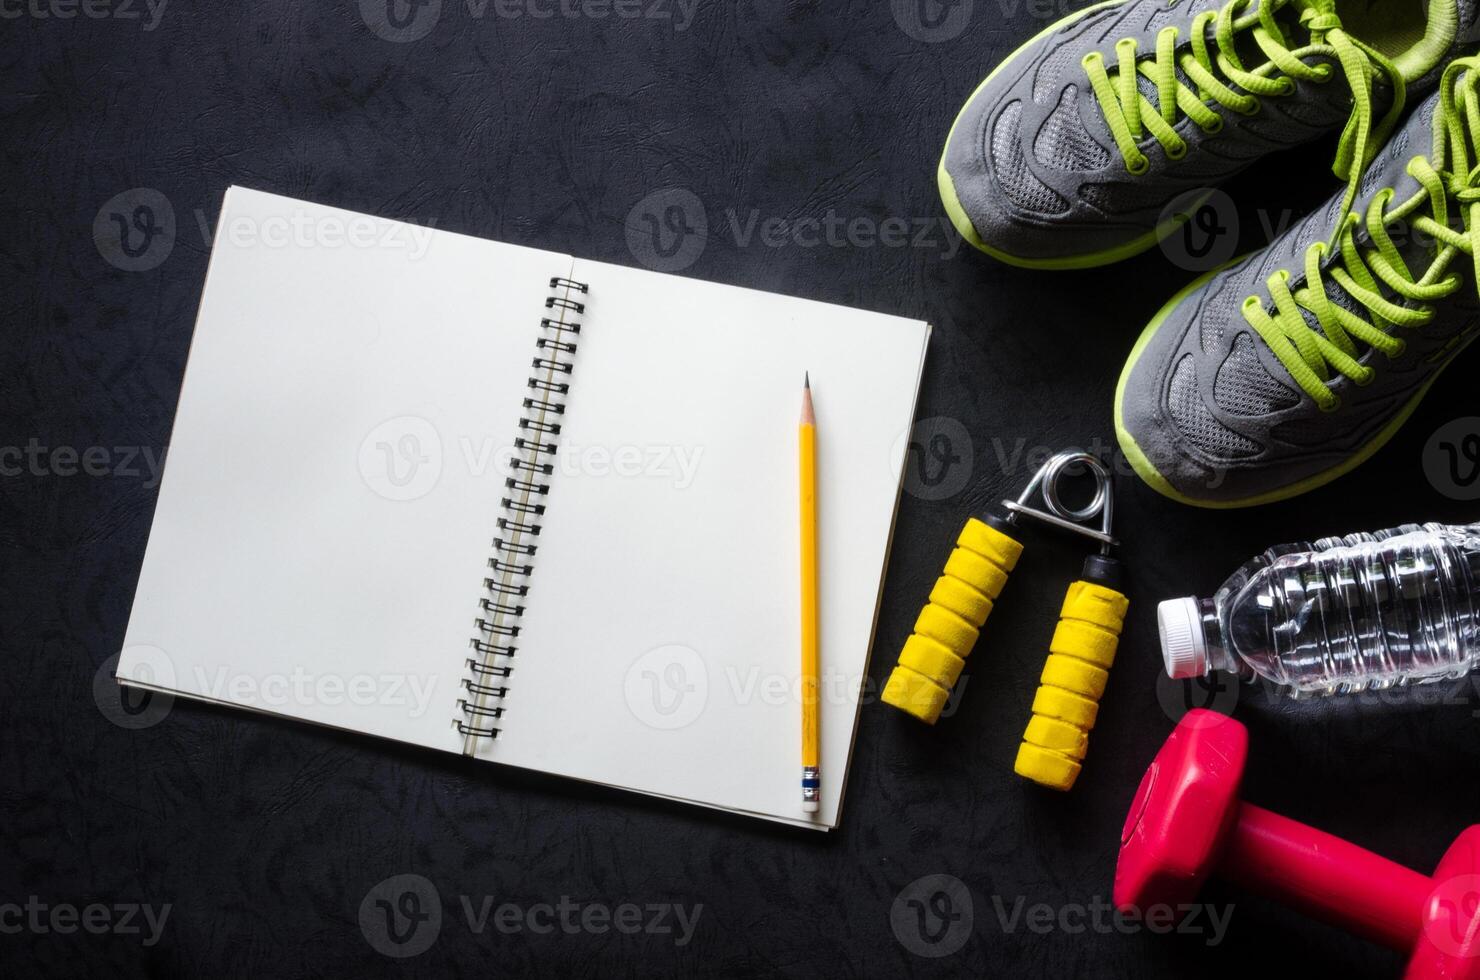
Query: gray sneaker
{"type": "Point", "coordinates": [1072, 150]}
{"type": "Point", "coordinates": [1290, 367]}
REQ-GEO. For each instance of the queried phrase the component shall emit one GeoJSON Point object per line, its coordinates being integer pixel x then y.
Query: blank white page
{"type": "Point", "coordinates": [660, 648]}
{"type": "Point", "coordinates": [332, 482]}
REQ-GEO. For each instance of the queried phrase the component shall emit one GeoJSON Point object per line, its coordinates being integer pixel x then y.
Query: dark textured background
{"type": "Point", "coordinates": [266, 836]}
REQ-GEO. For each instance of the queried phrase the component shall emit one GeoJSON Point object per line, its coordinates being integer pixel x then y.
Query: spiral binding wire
{"type": "Point", "coordinates": [512, 563]}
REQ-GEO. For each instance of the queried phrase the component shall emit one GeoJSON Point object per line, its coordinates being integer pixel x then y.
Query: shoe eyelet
{"type": "Point", "coordinates": [1366, 379]}
{"type": "Point", "coordinates": [1090, 59]}
{"type": "Point", "coordinates": [1176, 151]}
{"type": "Point", "coordinates": [1287, 86]}
{"type": "Point", "coordinates": [1215, 127]}
{"type": "Point", "coordinates": [1257, 108]}
{"type": "Point", "coordinates": [1138, 166]}
{"type": "Point", "coordinates": [1399, 351]}
{"type": "Point", "coordinates": [1335, 405]}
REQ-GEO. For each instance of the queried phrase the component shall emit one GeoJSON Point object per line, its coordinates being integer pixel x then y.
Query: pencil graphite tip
{"type": "Point", "coordinates": [808, 416]}
{"type": "Point", "coordinates": [806, 379]}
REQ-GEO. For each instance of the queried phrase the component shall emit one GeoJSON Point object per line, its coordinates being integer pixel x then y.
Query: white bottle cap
{"type": "Point", "coordinates": [1183, 646]}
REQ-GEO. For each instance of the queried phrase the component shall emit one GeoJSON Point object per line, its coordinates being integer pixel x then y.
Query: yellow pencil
{"type": "Point", "coordinates": [807, 470]}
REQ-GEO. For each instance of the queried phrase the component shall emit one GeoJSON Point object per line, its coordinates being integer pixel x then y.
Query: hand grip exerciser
{"type": "Point", "coordinates": [1083, 645]}
{"type": "Point", "coordinates": [1187, 822]}
{"type": "Point", "coordinates": [962, 599]}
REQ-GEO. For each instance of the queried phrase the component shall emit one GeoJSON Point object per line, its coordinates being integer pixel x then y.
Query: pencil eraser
{"type": "Point", "coordinates": [810, 807]}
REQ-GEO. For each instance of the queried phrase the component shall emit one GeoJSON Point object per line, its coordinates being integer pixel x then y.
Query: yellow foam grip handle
{"type": "Point", "coordinates": [1074, 676]}
{"type": "Point", "coordinates": [949, 624]}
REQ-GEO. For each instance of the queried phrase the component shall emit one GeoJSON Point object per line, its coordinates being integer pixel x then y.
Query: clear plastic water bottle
{"type": "Point", "coordinates": [1354, 613]}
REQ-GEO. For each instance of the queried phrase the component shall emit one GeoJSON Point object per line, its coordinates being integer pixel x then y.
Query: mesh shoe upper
{"type": "Point", "coordinates": [1037, 171]}
{"type": "Point", "coordinates": [1220, 418]}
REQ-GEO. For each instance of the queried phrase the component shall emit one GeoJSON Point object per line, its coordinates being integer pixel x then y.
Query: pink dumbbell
{"type": "Point", "coordinates": [1187, 822]}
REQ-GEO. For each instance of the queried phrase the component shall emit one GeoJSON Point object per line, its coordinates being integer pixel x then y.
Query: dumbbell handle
{"type": "Point", "coordinates": [1331, 878]}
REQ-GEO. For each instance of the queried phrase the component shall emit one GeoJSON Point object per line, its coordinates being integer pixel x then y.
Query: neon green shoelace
{"type": "Point", "coordinates": [1450, 176]}
{"type": "Point", "coordinates": [1130, 114]}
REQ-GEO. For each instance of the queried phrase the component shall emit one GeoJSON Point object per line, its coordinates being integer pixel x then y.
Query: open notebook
{"type": "Point", "coordinates": [533, 509]}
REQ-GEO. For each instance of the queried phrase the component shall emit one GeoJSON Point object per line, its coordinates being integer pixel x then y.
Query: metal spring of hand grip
{"type": "Point", "coordinates": [1046, 483]}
